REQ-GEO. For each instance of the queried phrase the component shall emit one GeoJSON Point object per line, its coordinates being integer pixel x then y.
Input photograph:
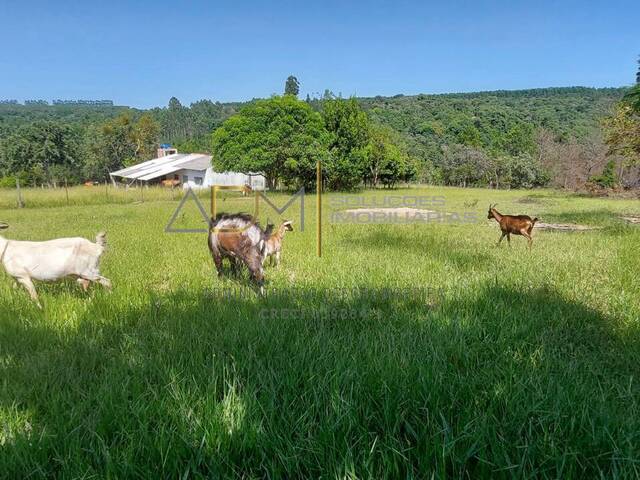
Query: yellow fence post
{"type": "Point", "coordinates": [236, 188]}
{"type": "Point", "coordinates": [214, 192]}
{"type": "Point", "coordinates": [319, 207]}
{"type": "Point", "coordinates": [256, 207]}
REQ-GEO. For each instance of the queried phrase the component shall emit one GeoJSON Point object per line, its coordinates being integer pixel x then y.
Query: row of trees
{"type": "Point", "coordinates": [503, 139]}
{"type": "Point", "coordinates": [49, 152]}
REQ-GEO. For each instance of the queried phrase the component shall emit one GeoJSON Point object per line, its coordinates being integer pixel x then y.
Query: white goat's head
{"type": "Point", "coordinates": [288, 225]}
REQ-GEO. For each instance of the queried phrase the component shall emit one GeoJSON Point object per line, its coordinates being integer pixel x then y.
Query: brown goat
{"type": "Point", "coordinates": [274, 243]}
{"type": "Point", "coordinates": [239, 238]}
{"type": "Point", "coordinates": [516, 224]}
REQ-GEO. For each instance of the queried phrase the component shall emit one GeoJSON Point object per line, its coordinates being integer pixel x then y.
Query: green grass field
{"type": "Point", "coordinates": [516, 364]}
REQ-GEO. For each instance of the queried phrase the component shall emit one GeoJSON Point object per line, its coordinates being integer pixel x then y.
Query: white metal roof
{"type": "Point", "coordinates": [164, 166]}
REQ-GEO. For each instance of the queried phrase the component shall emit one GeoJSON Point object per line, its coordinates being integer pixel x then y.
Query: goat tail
{"type": "Point", "coordinates": [101, 239]}
{"type": "Point", "coordinates": [535, 220]}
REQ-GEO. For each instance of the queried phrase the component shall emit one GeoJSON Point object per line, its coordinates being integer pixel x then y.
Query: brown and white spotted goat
{"type": "Point", "coordinates": [274, 243]}
{"type": "Point", "coordinates": [239, 238]}
{"type": "Point", "coordinates": [513, 224]}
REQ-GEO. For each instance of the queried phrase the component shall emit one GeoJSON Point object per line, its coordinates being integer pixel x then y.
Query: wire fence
{"type": "Point", "coordinates": [106, 193]}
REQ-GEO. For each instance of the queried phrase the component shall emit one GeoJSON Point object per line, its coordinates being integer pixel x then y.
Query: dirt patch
{"type": "Point", "coordinates": [564, 227]}
{"type": "Point", "coordinates": [634, 219]}
{"type": "Point", "coordinates": [529, 200]}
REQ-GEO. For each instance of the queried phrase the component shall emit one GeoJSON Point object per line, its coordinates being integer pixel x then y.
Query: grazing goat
{"type": "Point", "coordinates": [238, 237]}
{"type": "Point", "coordinates": [516, 224]}
{"type": "Point", "coordinates": [274, 243]}
{"type": "Point", "coordinates": [53, 260]}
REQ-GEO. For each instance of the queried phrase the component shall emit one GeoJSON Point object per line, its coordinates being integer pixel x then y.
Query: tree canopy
{"type": "Point", "coordinates": [499, 138]}
{"type": "Point", "coordinates": [281, 136]}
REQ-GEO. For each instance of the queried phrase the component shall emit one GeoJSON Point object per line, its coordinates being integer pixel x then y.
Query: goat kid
{"type": "Point", "coordinates": [52, 260]}
{"type": "Point", "coordinates": [274, 243]}
{"type": "Point", "coordinates": [239, 238]}
{"type": "Point", "coordinates": [513, 224]}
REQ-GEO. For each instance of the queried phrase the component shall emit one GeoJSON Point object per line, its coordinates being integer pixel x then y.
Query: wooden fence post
{"type": "Point", "coordinates": [20, 202]}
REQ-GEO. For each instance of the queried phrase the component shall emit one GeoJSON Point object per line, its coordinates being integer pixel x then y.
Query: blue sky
{"type": "Point", "coordinates": [141, 53]}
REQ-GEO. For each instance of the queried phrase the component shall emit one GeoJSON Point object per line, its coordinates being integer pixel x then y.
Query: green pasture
{"type": "Point", "coordinates": [405, 351]}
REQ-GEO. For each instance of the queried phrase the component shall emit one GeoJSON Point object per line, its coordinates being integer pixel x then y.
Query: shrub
{"type": "Point", "coordinates": [608, 178]}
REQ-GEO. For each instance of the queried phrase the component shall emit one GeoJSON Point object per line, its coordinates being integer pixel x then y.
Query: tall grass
{"type": "Point", "coordinates": [517, 364]}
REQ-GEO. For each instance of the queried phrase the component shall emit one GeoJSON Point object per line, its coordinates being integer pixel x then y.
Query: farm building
{"type": "Point", "coordinates": [192, 170]}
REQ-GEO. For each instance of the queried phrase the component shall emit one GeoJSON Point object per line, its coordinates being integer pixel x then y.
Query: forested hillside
{"type": "Point", "coordinates": [503, 138]}
{"type": "Point", "coordinates": [492, 119]}
{"type": "Point", "coordinates": [13, 116]}
{"type": "Point", "coordinates": [564, 123]}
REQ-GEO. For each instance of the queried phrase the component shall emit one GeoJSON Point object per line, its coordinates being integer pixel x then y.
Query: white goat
{"type": "Point", "coordinates": [53, 260]}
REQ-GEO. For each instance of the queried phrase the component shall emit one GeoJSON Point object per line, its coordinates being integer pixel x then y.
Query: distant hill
{"type": "Point", "coordinates": [518, 138]}
{"type": "Point", "coordinates": [12, 116]}
{"type": "Point", "coordinates": [482, 119]}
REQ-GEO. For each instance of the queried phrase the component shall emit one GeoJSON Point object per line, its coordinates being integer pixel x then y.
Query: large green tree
{"type": "Point", "coordinates": [385, 160]}
{"type": "Point", "coordinates": [145, 134]}
{"type": "Point", "coordinates": [177, 121]}
{"type": "Point", "coordinates": [622, 133]}
{"type": "Point", "coordinates": [281, 137]}
{"type": "Point", "coordinates": [349, 127]}
{"type": "Point", "coordinates": [119, 142]}
{"type": "Point", "coordinates": [42, 152]}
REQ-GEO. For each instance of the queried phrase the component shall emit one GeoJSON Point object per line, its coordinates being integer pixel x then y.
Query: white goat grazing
{"type": "Point", "coordinates": [53, 260]}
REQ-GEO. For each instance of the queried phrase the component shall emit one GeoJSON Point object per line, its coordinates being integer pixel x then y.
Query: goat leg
{"type": "Point", "coordinates": [105, 282]}
{"type": "Point", "coordinates": [217, 260]}
{"type": "Point", "coordinates": [254, 264]}
{"type": "Point", "coordinates": [84, 283]}
{"type": "Point", "coordinates": [528, 237]}
{"type": "Point", "coordinates": [28, 284]}
{"type": "Point", "coordinates": [235, 266]}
